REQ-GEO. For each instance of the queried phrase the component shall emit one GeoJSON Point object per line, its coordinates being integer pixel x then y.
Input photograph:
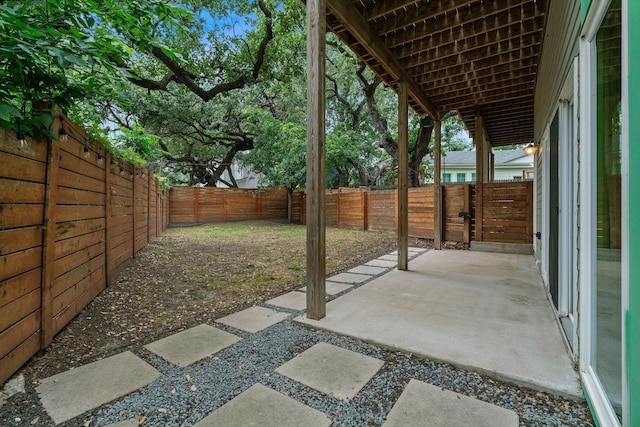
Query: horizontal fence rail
{"type": "Point", "coordinates": [507, 209]}
{"type": "Point", "coordinates": [70, 220]}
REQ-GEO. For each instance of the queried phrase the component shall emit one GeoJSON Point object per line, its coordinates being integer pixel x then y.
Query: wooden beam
{"type": "Point", "coordinates": [437, 186]}
{"type": "Point", "coordinates": [316, 91]}
{"type": "Point", "coordinates": [403, 175]}
{"type": "Point", "coordinates": [360, 29]}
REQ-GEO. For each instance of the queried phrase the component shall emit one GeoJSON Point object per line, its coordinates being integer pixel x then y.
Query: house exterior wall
{"type": "Point", "coordinates": [502, 173]}
{"type": "Point", "coordinates": [566, 37]}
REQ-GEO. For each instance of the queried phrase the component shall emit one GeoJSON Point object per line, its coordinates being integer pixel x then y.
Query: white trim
{"type": "Point", "coordinates": [544, 152]}
{"type": "Point", "coordinates": [587, 255]}
{"type": "Point", "coordinates": [625, 283]}
{"type": "Point", "coordinates": [601, 406]}
{"type": "Point", "coordinates": [575, 246]}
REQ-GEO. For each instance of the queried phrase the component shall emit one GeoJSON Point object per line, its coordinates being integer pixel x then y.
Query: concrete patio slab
{"type": "Point", "coordinates": [332, 370]}
{"type": "Point", "coordinates": [261, 406]}
{"type": "Point", "coordinates": [71, 393]}
{"type": "Point", "coordinates": [293, 300]}
{"type": "Point", "coordinates": [187, 347]}
{"type": "Point", "coordinates": [253, 319]}
{"type": "Point", "coordinates": [390, 257]}
{"type": "Point", "coordinates": [423, 404]}
{"type": "Point", "coordinates": [383, 263]}
{"type": "Point", "coordinates": [367, 269]}
{"type": "Point", "coordinates": [481, 311]}
{"type": "Point", "coordinates": [349, 278]}
{"type": "Point", "coordinates": [332, 288]}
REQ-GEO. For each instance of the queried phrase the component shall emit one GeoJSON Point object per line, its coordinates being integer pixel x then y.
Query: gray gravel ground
{"type": "Point", "coordinates": [172, 401]}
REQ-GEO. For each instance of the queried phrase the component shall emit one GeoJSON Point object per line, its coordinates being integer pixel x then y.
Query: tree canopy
{"type": "Point", "coordinates": [194, 86]}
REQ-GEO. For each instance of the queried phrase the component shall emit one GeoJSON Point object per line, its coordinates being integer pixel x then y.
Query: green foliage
{"type": "Point", "coordinates": [279, 151]}
{"type": "Point", "coordinates": [62, 51]}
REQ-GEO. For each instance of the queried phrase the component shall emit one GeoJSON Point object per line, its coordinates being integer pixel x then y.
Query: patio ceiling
{"type": "Point", "coordinates": [478, 57]}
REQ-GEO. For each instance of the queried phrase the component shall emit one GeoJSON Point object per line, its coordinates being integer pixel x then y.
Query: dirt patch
{"type": "Point", "coordinates": [194, 275]}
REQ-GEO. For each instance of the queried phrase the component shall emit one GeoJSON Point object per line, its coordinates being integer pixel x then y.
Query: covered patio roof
{"type": "Point", "coordinates": [474, 56]}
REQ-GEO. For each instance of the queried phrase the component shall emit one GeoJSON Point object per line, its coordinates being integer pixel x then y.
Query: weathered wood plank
{"type": "Point", "coordinates": [20, 262]}
{"type": "Point", "coordinates": [20, 215]}
{"type": "Point", "coordinates": [20, 239]}
{"type": "Point", "coordinates": [12, 191]}
{"type": "Point", "coordinates": [22, 168]}
{"type": "Point", "coordinates": [16, 334]}
{"type": "Point", "coordinates": [19, 356]}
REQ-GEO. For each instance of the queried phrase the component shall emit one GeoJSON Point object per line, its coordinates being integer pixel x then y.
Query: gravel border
{"type": "Point", "coordinates": [171, 400]}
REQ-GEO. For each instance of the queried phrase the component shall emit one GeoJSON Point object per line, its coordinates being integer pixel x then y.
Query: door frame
{"type": "Point", "coordinates": [594, 389]}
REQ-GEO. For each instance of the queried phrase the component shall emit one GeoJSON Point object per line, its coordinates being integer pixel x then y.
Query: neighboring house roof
{"type": "Point", "coordinates": [502, 157]}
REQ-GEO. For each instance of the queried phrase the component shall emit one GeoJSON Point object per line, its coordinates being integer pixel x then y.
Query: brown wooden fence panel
{"type": "Point", "coordinates": [421, 212]}
{"type": "Point", "coordinates": [153, 206]}
{"type": "Point", "coordinates": [211, 205]}
{"type": "Point", "coordinates": [66, 225]}
{"type": "Point", "coordinates": [121, 223]}
{"type": "Point", "coordinates": [381, 211]}
{"type": "Point", "coordinates": [508, 212]}
{"type": "Point", "coordinates": [351, 208]}
{"type": "Point", "coordinates": [241, 205]}
{"type": "Point", "coordinates": [273, 204]}
{"type": "Point", "coordinates": [331, 208]}
{"type": "Point", "coordinates": [141, 209]}
{"type": "Point", "coordinates": [22, 197]}
{"type": "Point", "coordinates": [79, 258]}
{"type": "Point", "coordinates": [181, 205]}
{"type": "Point", "coordinates": [453, 197]}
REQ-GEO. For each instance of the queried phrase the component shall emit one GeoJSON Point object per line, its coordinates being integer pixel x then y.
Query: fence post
{"type": "Point", "coordinates": [107, 216]}
{"type": "Point", "coordinates": [132, 175]}
{"type": "Point", "coordinates": [365, 208]}
{"type": "Point", "coordinates": [148, 206]}
{"type": "Point", "coordinates": [196, 204]}
{"type": "Point", "coordinates": [48, 251]}
{"type": "Point", "coordinates": [466, 236]}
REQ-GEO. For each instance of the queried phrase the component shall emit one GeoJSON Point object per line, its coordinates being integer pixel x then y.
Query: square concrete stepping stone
{"type": "Point", "coordinates": [350, 278]}
{"type": "Point", "coordinates": [390, 257]}
{"type": "Point", "coordinates": [332, 288]}
{"type": "Point", "coordinates": [187, 347]}
{"type": "Point", "coordinates": [423, 404]}
{"type": "Point", "coordinates": [261, 406]}
{"type": "Point", "coordinates": [253, 319]}
{"type": "Point", "coordinates": [366, 269]}
{"type": "Point", "coordinates": [71, 393]}
{"type": "Point", "coordinates": [383, 262]}
{"type": "Point", "coordinates": [133, 422]}
{"type": "Point", "coordinates": [293, 300]}
{"type": "Point", "coordinates": [332, 370]}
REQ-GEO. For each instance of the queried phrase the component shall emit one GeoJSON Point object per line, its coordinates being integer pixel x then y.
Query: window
{"type": "Point", "coordinates": [461, 177]}
{"type": "Point", "coordinates": [607, 325]}
{"type": "Point", "coordinates": [473, 177]}
{"type": "Point", "coordinates": [446, 177]}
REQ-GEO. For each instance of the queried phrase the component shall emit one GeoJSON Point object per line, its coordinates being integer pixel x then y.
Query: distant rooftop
{"type": "Point", "coordinates": [501, 157]}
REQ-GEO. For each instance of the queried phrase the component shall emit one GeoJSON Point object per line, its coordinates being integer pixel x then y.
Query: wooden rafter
{"type": "Point", "coordinates": [466, 55]}
{"type": "Point", "coordinates": [359, 28]}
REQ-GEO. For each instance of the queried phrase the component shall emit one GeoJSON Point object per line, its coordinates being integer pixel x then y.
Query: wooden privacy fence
{"type": "Point", "coordinates": [507, 214]}
{"type": "Point", "coordinates": [69, 222]}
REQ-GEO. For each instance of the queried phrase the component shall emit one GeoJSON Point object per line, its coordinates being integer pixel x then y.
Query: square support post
{"type": "Point", "coordinates": [316, 267]}
{"type": "Point", "coordinates": [403, 175]}
{"type": "Point", "coordinates": [437, 187]}
{"type": "Point", "coordinates": [480, 175]}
